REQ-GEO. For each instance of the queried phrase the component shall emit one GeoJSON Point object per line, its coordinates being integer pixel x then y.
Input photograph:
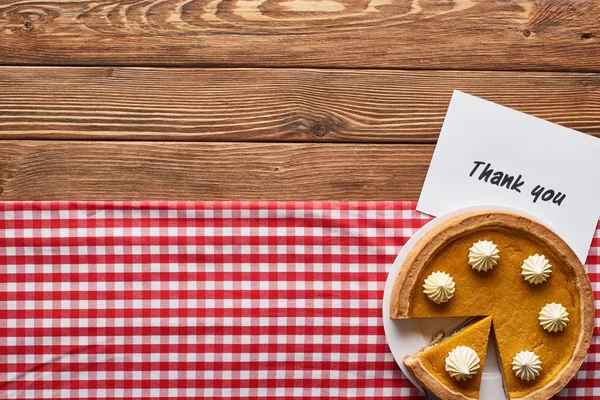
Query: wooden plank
{"type": "Point", "coordinates": [63, 170]}
{"type": "Point", "coordinates": [272, 104]}
{"type": "Point", "coordinates": [461, 34]}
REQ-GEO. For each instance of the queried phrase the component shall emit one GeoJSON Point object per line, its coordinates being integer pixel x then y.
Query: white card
{"type": "Point", "coordinates": [490, 154]}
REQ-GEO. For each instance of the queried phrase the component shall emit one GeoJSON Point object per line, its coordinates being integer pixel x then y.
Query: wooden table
{"type": "Point", "coordinates": [270, 99]}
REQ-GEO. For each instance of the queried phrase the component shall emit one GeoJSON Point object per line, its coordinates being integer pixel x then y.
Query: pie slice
{"type": "Point", "coordinates": [509, 267]}
{"type": "Point", "coordinates": [429, 365]}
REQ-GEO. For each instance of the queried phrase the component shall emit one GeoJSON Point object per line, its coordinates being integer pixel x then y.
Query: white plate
{"type": "Point", "coordinates": [409, 336]}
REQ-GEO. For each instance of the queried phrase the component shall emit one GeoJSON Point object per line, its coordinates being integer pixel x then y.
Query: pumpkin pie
{"type": "Point", "coordinates": [429, 366]}
{"type": "Point", "coordinates": [520, 273]}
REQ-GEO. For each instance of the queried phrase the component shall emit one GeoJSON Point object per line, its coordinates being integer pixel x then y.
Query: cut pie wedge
{"type": "Point", "coordinates": [525, 268]}
{"type": "Point", "coordinates": [429, 365]}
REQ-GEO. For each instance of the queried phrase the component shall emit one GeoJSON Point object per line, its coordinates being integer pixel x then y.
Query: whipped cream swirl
{"type": "Point", "coordinates": [439, 287]}
{"type": "Point", "coordinates": [462, 363]}
{"type": "Point", "coordinates": [483, 255]}
{"type": "Point", "coordinates": [536, 269]}
{"type": "Point", "coordinates": [553, 317]}
{"type": "Point", "coordinates": [526, 365]}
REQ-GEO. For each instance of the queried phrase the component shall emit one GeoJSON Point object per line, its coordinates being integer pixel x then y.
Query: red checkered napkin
{"type": "Point", "coordinates": [206, 300]}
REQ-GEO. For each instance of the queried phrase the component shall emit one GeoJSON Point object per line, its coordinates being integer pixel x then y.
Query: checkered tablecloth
{"type": "Point", "coordinates": [207, 300]}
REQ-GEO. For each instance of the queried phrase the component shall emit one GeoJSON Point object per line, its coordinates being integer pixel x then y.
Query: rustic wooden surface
{"type": "Point", "coordinates": [54, 170]}
{"type": "Point", "coordinates": [292, 105]}
{"type": "Point", "coordinates": [270, 99]}
{"type": "Point", "coordinates": [460, 34]}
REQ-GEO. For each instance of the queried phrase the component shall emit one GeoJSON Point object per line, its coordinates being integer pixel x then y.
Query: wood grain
{"type": "Point", "coordinates": [272, 104]}
{"type": "Point", "coordinates": [63, 170]}
{"type": "Point", "coordinates": [460, 34]}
